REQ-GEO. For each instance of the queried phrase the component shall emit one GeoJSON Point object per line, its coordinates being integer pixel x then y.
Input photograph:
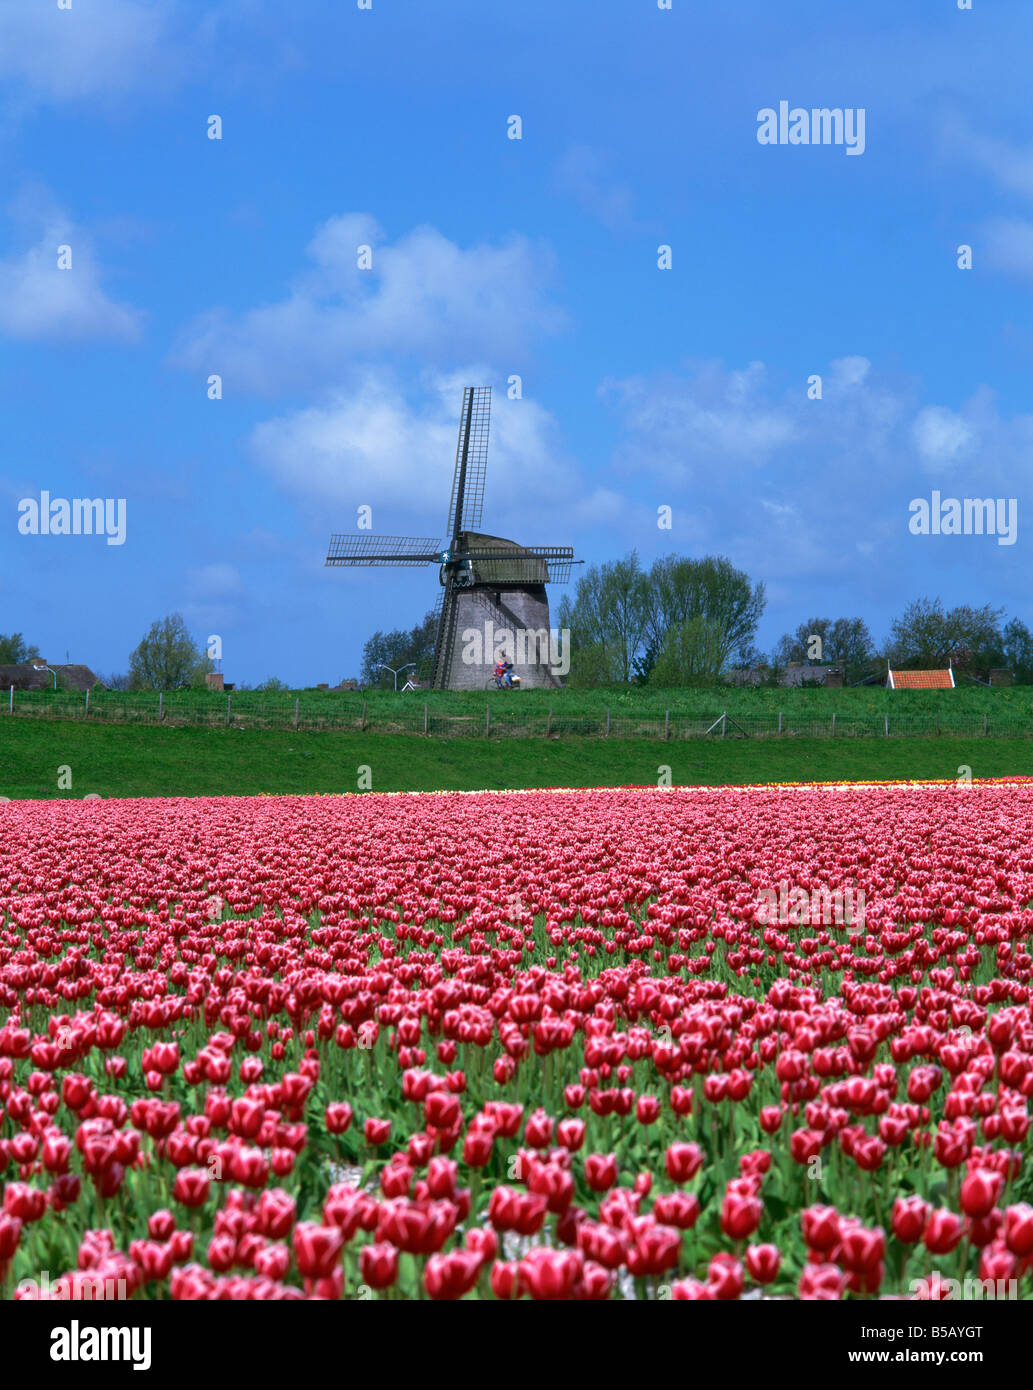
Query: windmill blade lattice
{"type": "Point", "coordinates": [464, 509]}
{"type": "Point", "coordinates": [397, 551]}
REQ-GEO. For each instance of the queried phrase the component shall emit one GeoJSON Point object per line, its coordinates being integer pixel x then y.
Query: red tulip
{"type": "Point", "coordinates": [763, 1262]}
{"type": "Point", "coordinates": [160, 1225]}
{"type": "Point", "coordinates": [820, 1227]}
{"type": "Point", "coordinates": [943, 1232]}
{"type": "Point", "coordinates": [510, 1210]}
{"type": "Point", "coordinates": [317, 1249]}
{"type": "Point", "coordinates": [910, 1219]}
{"type": "Point", "coordinates": [980, 1192]}
{"type": "Point", "coordinates": [453, 1275]}
{"type": "Point", "coordinates": [1018, 1229]}
{"type": "Point", "coordinates": [861, 1249]}
{"type": "Point", "coordinates": [679, 1209]}
{"type": "Point", "coordinates": [10, 1235]}
{"type": "Point", "coordinates": [378, 1265]}
{"type": "Point", "coordinates": [377, 1131]}
{"type": "Point", "coordinates": [655, 1250]}
{"type": "Point", "coordinates": [740, 1216]}
{"type": "Point", "coordinates": [600, 1171]}
{"type": "Point", "coordinates": [339, 1116]}
{"type": "Point", "coordinates": [683, 1161]}
{"type": "Point", "coordinates": [550, 1274]}
{"type": "Point", "coordinates": [191, 1187]}
{"type": "Point", "coordinates": [506, 1281]}
{"type": "Point", "coordinates": [725, 1278]}
{"type": "Point", "coordinates": [821, 1282]}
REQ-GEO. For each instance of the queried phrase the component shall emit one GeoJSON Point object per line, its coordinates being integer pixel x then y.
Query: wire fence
{"type": "Point", "coordinates": [244, 711]}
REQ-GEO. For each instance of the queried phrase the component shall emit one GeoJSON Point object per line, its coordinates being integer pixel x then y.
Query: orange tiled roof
{"type": "Point", "coordinates": [922, 680]}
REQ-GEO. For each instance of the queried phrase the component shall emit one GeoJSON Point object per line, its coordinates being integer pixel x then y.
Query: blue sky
{"type": "Point", "coordinates": [492, 257]}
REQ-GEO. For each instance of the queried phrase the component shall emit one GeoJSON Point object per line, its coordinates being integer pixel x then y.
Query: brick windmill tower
{"type": "Point", "coordinates": [488, 584]}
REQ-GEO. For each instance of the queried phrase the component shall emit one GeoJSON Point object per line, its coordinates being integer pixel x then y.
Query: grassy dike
{"type": "Point", "coordinates": [121, 761]}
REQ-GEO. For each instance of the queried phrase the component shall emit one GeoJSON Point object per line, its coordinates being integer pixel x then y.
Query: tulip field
{"type": "Point", "coordinates": [534, 1045]}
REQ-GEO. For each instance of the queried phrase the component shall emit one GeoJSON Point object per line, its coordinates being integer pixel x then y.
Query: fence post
{"type": "Point", "coordinates": [487, 721]}
{"type": "Point", "coordinates": [724, 723]}
{"type": "Point", "coordinates": [984, 725]}
{"type": "Point", "coordinates": [296, 703]}
{"type": "Point", "coordinates": [833, 723]}
{"type": "Point", "coordinates": [229, 702]}
{"type": "Point", "coordinates": [87, 699]}
{"type": "Point", "coordinates": [424, 718]}
{"type": "Point", "coordinates": [667, 724]}
{"type": "Point", "coordinates": [11, 706]}
{"type": "Point", "coordinates": [887, 718]}
{"type": "Point", "coordinates": [548, 723]}
{"type": "Point", "coordinates": [607, 721]}
{"type": "Point", "coordinates": [160, 695]}
{"type": "Point", "coordinates": [362, 718]}
{"type": "Point", "coordinates": [779, 721]}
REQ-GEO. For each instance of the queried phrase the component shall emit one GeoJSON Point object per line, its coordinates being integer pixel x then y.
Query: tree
{"type": "Point", "coordinates": [845, 642]}
{"type": "Point", "coordinates": [272, 684]}
{"type": "Point", "coordinates": [397, 649]}
{"type": "Point", "coordinates": [712, 589]}
{"type": "Point", "coordinates": [645, 663]}
{"type": "Point", "coordinates": [117, 680]}
{"type": "Point", "coordinates": [13, 650]}
{"type": "Point", "coordinates": [1018, 651]}
{"type": "Point", "coordinates": [623, 609]}
{"type": "Point", "coordinates": [167, 658]}
{"type": "Point", "coordinates": [621, 617]}
{"type": "Point", "coordinates": [607, 621]}
{"type": "Point", "coordinates": [927, 635]}
{"type": "Point", "coordinates": [693, 653]}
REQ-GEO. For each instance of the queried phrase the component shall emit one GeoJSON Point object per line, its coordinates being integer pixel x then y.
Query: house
{"type": "Point", "coordinates": [794, 675]}
{"type": "Point", "coordinates": [797, 673]}
{"type": "Point", "coordinates": [24, 676]}
{"type": "Point", "coordinates": [77, 677]}
{"type": "Point", "coordinates": [921, 680]}
{"type": "Point", "coordinates": [37, 675]}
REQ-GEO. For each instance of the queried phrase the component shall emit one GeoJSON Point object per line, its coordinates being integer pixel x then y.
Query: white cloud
{"type": "Point", "coordinates": [714, 417]}
{"type": "Point", "coordinates": [92, 49]}
{"type": "Point", "coordinates": [39, 300]}
{"type": "Point", "coordinates": [1012, 168]}
{"type": "Point", "coordinates": [424, 297]}
{"type": "Point", "coordinates": [782, 512]}
{"type": "Point", "coordinates": [372, 446]}
{"type": "Point", "coordinates": [941, 436]}
{"type": "Point", "coordinates": [742, 462]}
{"type": "Point", "coordinates": [850, 371]}
{"type": "Point", "coordinates": [1006, 243]}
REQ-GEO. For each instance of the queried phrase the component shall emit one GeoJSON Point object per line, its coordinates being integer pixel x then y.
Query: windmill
{"type": "Point", "coordinates": [489, 585]}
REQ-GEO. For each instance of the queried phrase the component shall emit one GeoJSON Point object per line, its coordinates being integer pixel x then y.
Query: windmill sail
{"type": "Point", "coordinates": [399, 552]}
{"type": "Point", "coordinates": [464, 509]}
{"type": "Point", "coordinates": [444, 643]}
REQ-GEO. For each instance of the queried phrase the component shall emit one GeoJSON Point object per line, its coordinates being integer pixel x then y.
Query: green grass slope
{"type": "Point", "coordinates": [146, 760]}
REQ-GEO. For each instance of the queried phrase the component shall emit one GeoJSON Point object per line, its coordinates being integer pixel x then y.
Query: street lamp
{"type": "Point", "coordinates": [398, 672]}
